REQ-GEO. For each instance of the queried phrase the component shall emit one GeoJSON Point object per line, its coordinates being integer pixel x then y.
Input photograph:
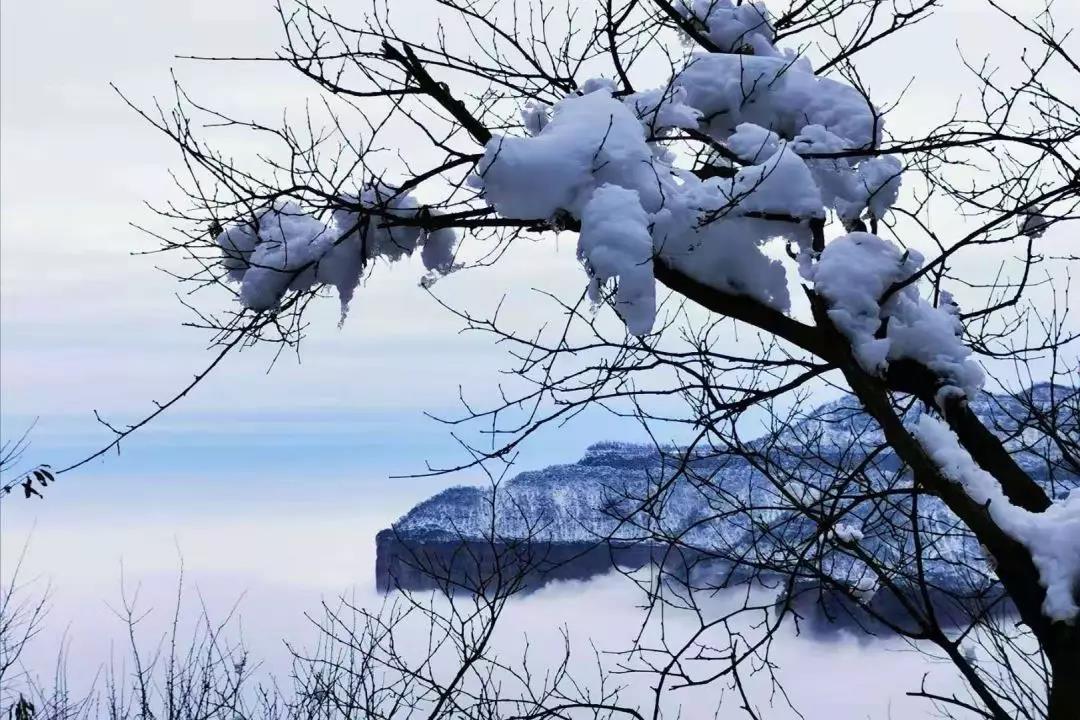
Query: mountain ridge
{"type": "Point", "coordinates": [596, 499]}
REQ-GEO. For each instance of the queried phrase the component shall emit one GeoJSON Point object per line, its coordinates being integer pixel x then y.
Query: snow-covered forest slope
{"type": "Point", "coordinates": [717, 502]}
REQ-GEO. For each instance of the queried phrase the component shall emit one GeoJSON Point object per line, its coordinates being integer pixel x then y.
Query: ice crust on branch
{"type": "Point", "coordinates": [287, 249]}
{"type": "Point", "coordinates": [1052, 536]}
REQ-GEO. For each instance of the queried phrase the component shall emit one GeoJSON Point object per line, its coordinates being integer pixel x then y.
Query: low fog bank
{"type": "Point", "coordinates": [272, 573]}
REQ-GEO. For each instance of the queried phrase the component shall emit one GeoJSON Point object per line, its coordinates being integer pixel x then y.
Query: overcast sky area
{"type": "Point", "coordinates": [271, 465]}
{"type": "Point", "coordinates": [89, 326]}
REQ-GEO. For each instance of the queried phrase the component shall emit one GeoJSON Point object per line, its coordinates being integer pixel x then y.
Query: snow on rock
{"type": "Point", "coordinates": [1052, 536]}
{"type": "Point", "coordinates": [615, 243]}
{"type": "Point", "coordinates": [588, 500]}
{"type": "Point", "coordinates": [286, 249]}
{"type": "Point", "coordinates": [853, 274]}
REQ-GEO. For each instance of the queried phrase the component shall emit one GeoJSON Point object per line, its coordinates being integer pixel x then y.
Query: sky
{"type": "Point", "coordinates": [271, 465]}
{"type": "Point", "coordinates": [99, 329]}
{"type": "Point", "coordinates": [89, 326]}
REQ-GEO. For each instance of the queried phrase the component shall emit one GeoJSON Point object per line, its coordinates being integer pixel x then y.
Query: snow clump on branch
{"type": "Point", "coordinates": [848, 533]}
{"type": "Point", "coordinates": [615, 241]}
{"type": "Point", "coordinates": [285, 249]}
{"type": "Point", "coordinates": [854, 273]}
{"type": "Point", "coordinates": [730, 27]}
{"type": "Point", "coordinates": [1052, 536]}
{"type": "Point", "coordinates": [760, 108]}
{"type": "Point", "coordinates": [787, 147]}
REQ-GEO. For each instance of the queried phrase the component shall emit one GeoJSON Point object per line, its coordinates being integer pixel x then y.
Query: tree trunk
{"type": "Point", "coordinates": [1064, 702]}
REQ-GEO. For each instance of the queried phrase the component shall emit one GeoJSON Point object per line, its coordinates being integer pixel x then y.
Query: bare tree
{"type": "Point", "coordinates": [422, 144]}
{"type": "Point", "coordinates": [22, 615]}
{"type": "Point", "coordinates": [420, 655]}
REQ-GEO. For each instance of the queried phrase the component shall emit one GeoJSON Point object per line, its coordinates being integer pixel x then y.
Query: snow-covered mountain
{"type": "Point", "coordinates": [720, 500]}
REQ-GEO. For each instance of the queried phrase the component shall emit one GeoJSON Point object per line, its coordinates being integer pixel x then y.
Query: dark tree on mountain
{"type": "Point", "coordinates": [758, 230]}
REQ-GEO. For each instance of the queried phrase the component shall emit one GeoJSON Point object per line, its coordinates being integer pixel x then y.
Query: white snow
{"type": "Point", "coordinates": [237, 243]}
{"type": "Point", "coordinates": [801, 146]}
{"type": "Point", "coordinates": [700, 226]}
{"type": "Point", "coordinates": [753, 143]}
{"type": "Point", "coordinates": [287, 243]}
{"type": "Point", "coordinates": [849, 184]}
{"type": "Point", "coordinates": [779, 93]}
{"type": "Point", "coordinates": [535, 115]}
{"type": "Point", "coordinates": [590, 140]}
{"type": "Point", "coordinates": [853, 273]}
{"type": "Point", "coordinates": [1052, 536]}
{"type": "Point", "coordinates": [732, 27]}
{"type": "Point", "coordinates": [663, 108]}
{"type": "Point", "coordinates": [780, 185]}
{"type": "Point", "coordinates": [848, 533]}
{"type": "Point", "coordinates": [287, 249]}
{"type": "Point", "coordinates": [615, 243]}
{"type": "Point", "coordinates": [766, 105]}
{"type": "Point", "coordinates": [438, 252]}
{"type": "Point", "coordinates": [878, 183]}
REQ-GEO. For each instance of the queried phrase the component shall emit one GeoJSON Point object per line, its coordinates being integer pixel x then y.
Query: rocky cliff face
{"type": "Point", "coordinates": [585, 518]}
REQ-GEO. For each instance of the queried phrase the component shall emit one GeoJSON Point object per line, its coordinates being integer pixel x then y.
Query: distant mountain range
{"type": "Point", "coordinates": [587, 516]}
